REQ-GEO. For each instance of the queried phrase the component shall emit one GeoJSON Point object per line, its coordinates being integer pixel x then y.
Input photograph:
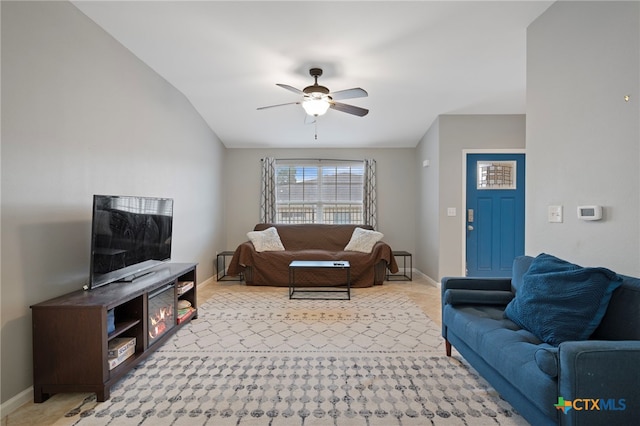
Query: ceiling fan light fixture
{"type": "Point", "coordinates": [317, 99]}
{"type": "Point", "coordinates": [316, 106]}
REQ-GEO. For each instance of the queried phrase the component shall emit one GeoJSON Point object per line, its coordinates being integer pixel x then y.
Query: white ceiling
{"type": "Point", "coordinates": [416, 59]}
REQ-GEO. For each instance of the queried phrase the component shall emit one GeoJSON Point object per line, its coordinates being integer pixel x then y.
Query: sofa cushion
{"type": "Point", "coordinates": [559, 301]}
{"type": "Point", "coordinates": [506, 348]}
{"type": "Point", "coordinates": [521, 265]}
{"type": "Point", "coordinates": [363, 240]}
{"type": "Point", "coordinates": [617, 324]}
{"type": "Point", "coordinates": [547, 359]}
{"type": "Point", "coordinates": [456, 296]}
{"type": "Point", "coordinates": [321, 236]}
{"type": "Point", "coordinates": [267, 240]}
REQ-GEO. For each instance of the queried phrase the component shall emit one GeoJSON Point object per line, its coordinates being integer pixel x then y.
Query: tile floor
{"type": "Point", "coordinates": [422, 291]}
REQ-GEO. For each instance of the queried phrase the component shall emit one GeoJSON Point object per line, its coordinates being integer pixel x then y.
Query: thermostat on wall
{"type": "Point", "coordinates": [590, 212]}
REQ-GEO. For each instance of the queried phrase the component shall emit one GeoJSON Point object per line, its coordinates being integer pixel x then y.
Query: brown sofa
{"type": "Point", "coordinates": [312, 242]}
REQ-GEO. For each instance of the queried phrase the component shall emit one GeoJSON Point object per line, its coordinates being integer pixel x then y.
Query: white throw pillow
{"type": "Point", "coordinates": [363, 240]}
{"type": "Point", "coordinates": [267, 240]}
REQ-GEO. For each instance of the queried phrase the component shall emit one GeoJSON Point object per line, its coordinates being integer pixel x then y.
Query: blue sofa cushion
{"type": "Point", "coordinates": [546, 357]}
{"type": "Point", "coordinates": [521, 265]}
{"type": "Point", "coordinates": [617, 324]}
{"type": "Point", "coordinates": [559, 301]}
{"type": "Point", "coordinates": [456, 296]}
{"type": "Point", "coordinates": [508, 349]}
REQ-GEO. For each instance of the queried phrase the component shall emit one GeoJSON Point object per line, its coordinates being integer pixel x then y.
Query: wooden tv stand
{"type": "Point", "coordinates": [70, 338]}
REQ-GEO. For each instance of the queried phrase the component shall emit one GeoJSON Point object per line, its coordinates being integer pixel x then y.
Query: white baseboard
{"type": "Point", "coordinates": [417, 274]}
{"type": "Point", "coordinates": [426, 277]}
{"type": "Point", "coordinates": [208, 281]}
{"type": "Point", "coordinates": [16, 402]}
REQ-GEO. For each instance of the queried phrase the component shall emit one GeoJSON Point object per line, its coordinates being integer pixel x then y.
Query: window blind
{"type": "Point", "coordinates": [319, 191]}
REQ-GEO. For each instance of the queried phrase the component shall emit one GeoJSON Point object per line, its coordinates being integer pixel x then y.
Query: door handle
{"type": "Point", "coordinates": [469, 228]}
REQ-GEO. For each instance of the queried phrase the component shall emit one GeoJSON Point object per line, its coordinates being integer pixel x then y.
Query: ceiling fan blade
{"type": "Point", "coordinates": [291, 88]}
{"type": "Point", "coordinates": [356, 92]}
{"type": "Point", "coordinates": [349, 109]}
{"type": "Point", "coordinates": [278, 105]}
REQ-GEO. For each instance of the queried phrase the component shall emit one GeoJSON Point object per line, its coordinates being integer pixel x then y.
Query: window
{"type": "Point", "coordinates": [319, 191]}
{"type": "Point", "coordinates": [496, 175]}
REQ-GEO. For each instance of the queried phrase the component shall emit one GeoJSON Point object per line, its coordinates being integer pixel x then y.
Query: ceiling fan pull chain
{"type": "Point", "coordinates": [315, 124]}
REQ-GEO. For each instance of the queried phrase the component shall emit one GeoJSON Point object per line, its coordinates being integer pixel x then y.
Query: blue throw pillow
{"type": "Point", "coordinates": [521, 265]}
{"type": "Point", "coordinates": [559, 301]}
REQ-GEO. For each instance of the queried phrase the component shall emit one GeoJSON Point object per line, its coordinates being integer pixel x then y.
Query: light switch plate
{"type": "Point", "coordinates": [451, 211]}
{"type": "Point", "coordinates": [554, 214]}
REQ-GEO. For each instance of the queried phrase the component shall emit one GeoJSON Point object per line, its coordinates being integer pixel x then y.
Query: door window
{"type": "Point", "coordinates": [496, 175]}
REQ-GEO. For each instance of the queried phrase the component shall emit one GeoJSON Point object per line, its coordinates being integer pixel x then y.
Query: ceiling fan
{"type": "Point", "coordinates": [318, 99]}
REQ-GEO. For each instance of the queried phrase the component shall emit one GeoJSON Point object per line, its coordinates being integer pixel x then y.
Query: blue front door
{"type": "Point", "coordinates": [495, 213]}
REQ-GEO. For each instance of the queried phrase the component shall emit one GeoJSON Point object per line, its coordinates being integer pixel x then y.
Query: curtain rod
{"type": "Point", "coordinates": [314, 159]}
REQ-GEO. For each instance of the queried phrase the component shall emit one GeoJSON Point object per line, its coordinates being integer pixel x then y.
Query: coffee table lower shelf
{"type": "Point", "coordinates": [295, 289]}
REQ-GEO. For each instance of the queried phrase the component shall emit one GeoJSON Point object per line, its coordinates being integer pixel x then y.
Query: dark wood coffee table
{"type": "Point", "coordinates": [297, 265]}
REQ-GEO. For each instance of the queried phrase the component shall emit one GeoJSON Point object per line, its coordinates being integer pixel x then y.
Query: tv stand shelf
{"type": "Point", "coordinates": [122, 327]}
{"type": "Point", "coordinates": [70, 332]}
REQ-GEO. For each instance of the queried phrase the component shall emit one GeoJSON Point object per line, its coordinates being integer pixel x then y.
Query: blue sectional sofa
{"type": "Point", "coordinates": [548, 377]}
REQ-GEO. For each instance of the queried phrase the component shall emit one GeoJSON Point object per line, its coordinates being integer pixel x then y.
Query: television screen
{"type": "Point", "coordinates": [129, 235]}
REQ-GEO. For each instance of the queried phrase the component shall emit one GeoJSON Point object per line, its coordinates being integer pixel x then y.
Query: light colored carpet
{"type": "Point", "coordinates": [261, 359]}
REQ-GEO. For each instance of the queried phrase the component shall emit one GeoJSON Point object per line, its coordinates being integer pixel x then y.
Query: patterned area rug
{"type": "Point", "coordinates": [261, 359]}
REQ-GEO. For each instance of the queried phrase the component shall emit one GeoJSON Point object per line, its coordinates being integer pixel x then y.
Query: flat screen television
{"type": "Point", "coordinates": [129, 235]}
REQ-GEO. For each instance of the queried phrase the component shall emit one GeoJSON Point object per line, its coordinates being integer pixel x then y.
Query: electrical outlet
{"type": "Point", "coordinates": [554, 214]}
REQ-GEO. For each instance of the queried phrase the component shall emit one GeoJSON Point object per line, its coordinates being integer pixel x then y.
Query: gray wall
{"type": "Point", "coordinates": [427, 255]}
{"type": "Point", "coordinates": [583, 141]}
{"type": "Point", "coordinates": [82, 115]}
{"type": "Point", "coordinates": [395, 178]}
{"type": "Point", "coordinates": [441, 182]}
